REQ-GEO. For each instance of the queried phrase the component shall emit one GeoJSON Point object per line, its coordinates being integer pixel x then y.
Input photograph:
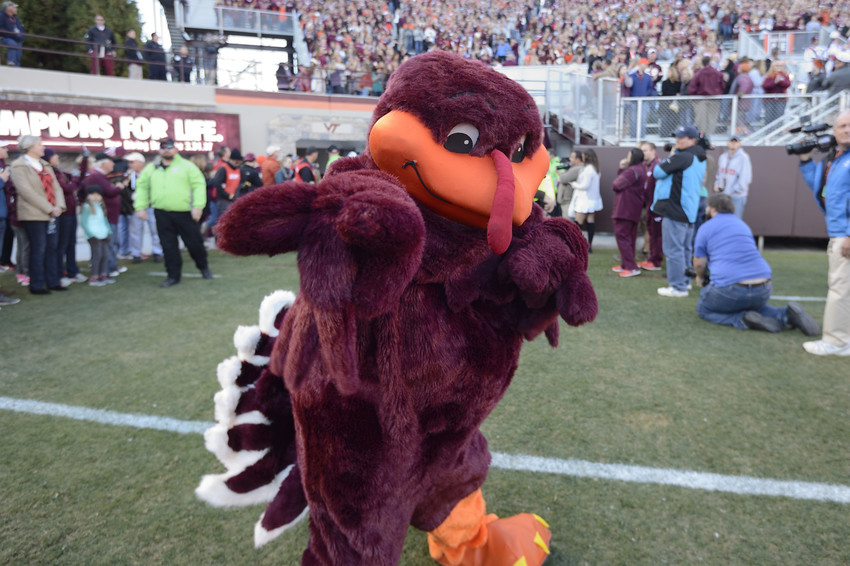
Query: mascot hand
{"type": "Point", "coordinates": [551, 260]}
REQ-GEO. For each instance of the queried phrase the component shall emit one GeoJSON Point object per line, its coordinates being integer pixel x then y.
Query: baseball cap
{"type": "Point", "coordinates": [735, 138]}
{"type": "Point", "coordinates": [686, 132]}
{"type": "Point", "coordinates": [644, 61]}
{"type": "Point", "coordinates": [101, 156]}
{"type": "Point", "coordinates": [166, 143]}
{"type": "Point", "coordinates": [250, 157]}
{"type": "Point", "coordinates": [135, 156]}
{"type": "Point", "coordinates": [332, 147]}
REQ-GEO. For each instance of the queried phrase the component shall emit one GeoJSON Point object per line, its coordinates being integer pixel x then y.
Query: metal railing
{"type": "Point", "coordinates": [224, 19]}
{"type": "Point", "coordinates": [655, 118]}
{"type": "Point", "coordinates": [823, 109]}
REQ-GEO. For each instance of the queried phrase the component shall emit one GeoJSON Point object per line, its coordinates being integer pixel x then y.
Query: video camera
{"type": "Point", "coordinates": [814, 140]}
{"type": "Point", "coordinates": [703, 140]}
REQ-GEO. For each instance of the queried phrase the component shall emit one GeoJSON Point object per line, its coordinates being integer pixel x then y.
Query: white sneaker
{"type": "Point", "coordinates": [821, 348]}
{"type": "Point", "coordinates": [108, 281]}
{"type": "Point", "coordinates": [79, 278]}
{"type": "Point", "coordinates": [671, 292]}
{"type": "Point", "coordinates": [97, 283]}
{"type": "Point", "coordinates": [65, 282]}
{"type": "Point", "coordinates": [122, 269]}
{"type": "Point", "coordinates": [630, 273]}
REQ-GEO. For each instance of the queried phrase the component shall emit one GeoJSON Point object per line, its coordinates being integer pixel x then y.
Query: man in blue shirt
{"type": "Point", "coordinates": [830, 182]}
{"type": "Point", "coordinates": [740, 278]}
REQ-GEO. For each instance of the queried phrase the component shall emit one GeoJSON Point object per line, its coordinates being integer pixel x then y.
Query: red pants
{"type": "Point", "coordinates": [625, 231]}
{"type": "Point", "coordinates": [108, 64]}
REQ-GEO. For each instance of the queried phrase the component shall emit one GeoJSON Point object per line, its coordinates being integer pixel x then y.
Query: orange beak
{"type": "Point", "coordinates": [457, 186]}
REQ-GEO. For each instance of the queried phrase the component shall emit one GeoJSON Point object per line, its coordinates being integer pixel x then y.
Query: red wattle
{"type": "Point", "coordinates": [500, 225]}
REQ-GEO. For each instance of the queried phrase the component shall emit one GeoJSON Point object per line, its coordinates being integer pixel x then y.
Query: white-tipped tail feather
{"type": "Point", "coordinates": [271, 307]}
{"type": "Point", "coordinates": [214, 490]}
{"type": "Point", "coordinates": [262, 536]}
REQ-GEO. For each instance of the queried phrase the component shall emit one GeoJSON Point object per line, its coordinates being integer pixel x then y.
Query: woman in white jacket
{"type": "Point", "coordinates": [586, 199]}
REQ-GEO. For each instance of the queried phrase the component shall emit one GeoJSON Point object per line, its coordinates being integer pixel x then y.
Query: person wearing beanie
{"type": "Point", "coordinates": [98, 231]}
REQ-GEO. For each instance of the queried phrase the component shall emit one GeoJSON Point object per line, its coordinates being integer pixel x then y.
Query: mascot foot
{"type": "Point", "coordinates": [468, 537]}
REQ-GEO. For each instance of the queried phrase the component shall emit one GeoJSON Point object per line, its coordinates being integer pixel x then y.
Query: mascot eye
{"type": "Point", "coordinates": [462, 138]}
{"type": "Point", "coordinates": [519, 152]}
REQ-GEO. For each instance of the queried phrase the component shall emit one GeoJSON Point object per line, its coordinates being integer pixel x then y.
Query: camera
{"type": "Point", "coordinates": [815, 138]}
{"type": "Point", "coordinates": [564, 166]}
{"type": "Point", "coordinates": [703, 140]}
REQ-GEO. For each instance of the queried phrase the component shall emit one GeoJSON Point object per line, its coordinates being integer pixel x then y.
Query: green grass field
{"type": "Point", "coordinates": [647, 384]}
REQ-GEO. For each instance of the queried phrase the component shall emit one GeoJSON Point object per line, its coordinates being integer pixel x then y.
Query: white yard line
{"type": "Point", "coordinates": [743, 485]}
{"type": "Point", "coordinates": [786, 298]}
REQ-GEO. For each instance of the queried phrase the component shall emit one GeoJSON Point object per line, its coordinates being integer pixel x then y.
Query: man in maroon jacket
{"type": "Point", "coordinates": [707, 81]}
{"type": "Point", "coordinates": [103, 166]}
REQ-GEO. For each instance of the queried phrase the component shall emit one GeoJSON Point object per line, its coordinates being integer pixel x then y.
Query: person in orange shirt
{"type": "Point", "coordinates": [271, 165]}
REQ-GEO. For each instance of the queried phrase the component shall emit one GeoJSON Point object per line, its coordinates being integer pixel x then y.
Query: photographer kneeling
{"type": "Point", "coordinates": [740, 278]}
{"type": "Point", "coordinates": [830, 182]}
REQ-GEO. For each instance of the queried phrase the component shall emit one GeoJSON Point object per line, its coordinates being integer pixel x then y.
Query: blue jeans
{"type": "Point", "coordinates": [740, 203]}
{"type": "Point", "coordinates": [677, 243]}
{"type": "Point", "coordinates": [137, 233]}
{"type": "Point", "coordinates": [112, 262]}
{"type": "Point", "coordinates": [44, 268]}
{"type": "Point", "coordinates": [66, 256]}
{"type": "Point", "coordinates": [728, 305]}
{"type": "Point", "coordinates": [13, 50]}
{"type": "Point", "coordinates": [123, 235]}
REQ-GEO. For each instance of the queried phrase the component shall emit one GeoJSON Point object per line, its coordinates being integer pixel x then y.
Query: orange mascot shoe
{"type": "Point", "coordinates": [470, 537]}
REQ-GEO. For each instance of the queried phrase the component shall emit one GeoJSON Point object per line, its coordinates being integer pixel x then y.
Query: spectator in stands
{"type": "Point", "coordinates": [271, 165]}
{"type": "Point", "coordinates": [11, 33]}
{"type": "Point", "coordinates": [639, 83]}
{"type": "Point", "coordinates": [707, 81]}
{"type": "Point", "coordinates": [839, 78]}
{"type": "Point", "coordinates": [67, 222]}
{"type": "Point", "coordinates": [285, 80]}
{"type": "Point", "coordinates": [40, 201]}
{"type": "Point", "coordinates": [740, 278]}
{"type": "Point", "coordinates": [734, 175]}
{"type": "Point", "coordinates": [183, 65]}
{"type": "Point", "coordinates": [100, 41]}
{"type": "Point", "coordinates": [155, 56]}
{"type": "Point", "coordinates": [776, 81]}
{"type": "Point", "coordinates": [741, 86]}
{"type": "Point", "coordinates": [131, 52]}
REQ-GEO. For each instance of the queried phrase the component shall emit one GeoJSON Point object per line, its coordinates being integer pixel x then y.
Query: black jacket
{"type": "Point", "coordinates": [96, 38]}
{"type": "Point", "coordinates": [131, 51]}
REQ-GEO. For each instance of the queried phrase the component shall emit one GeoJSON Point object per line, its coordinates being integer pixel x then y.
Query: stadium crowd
{"type": "Point", "coordinates": [352, 46]}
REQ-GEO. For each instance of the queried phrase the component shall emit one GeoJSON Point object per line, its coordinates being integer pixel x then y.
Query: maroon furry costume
{"type": "Point", "coordinates": [405, 334]}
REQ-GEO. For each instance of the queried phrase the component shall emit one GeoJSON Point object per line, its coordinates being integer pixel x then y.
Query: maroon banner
{"type": "Point", "coordinates": [66, 127]}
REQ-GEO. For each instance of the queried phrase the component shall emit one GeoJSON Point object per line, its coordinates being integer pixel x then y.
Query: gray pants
{"type": "Point", "coordinates": [99, 257]}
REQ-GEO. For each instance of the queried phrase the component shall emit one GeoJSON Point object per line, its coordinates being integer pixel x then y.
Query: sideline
{"type": "Point", "coordinates": [743, 485]}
